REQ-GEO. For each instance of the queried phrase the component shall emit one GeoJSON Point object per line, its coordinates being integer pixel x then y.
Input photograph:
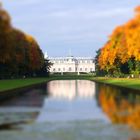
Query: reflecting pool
{"type": "Point", "coordinates": [72, 110]}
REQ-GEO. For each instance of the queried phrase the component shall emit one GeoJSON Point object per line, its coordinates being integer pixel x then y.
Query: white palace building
{"type": "Point", "coordinates": [71, 64]}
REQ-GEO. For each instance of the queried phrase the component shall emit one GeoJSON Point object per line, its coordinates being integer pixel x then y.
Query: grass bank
{"type": "Point", "coordinates": [19, 83]}
{"type": "Point", "coordinates": [123, 82]}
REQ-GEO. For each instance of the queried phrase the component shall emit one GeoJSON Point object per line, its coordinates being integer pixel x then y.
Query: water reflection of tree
{"type": "Point", "coordinates": [121, 106]}
{"type": "Point", "coordinates": [32, 98]}
{"type": "Point", "coordinates": [21, 109]}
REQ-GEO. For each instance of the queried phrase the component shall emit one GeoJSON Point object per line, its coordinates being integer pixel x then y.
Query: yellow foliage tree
{"type": "Point", "coordinates": [123, 45]}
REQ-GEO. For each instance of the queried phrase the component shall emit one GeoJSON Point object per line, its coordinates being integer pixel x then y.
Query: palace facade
{"type": "Point", "coordinates": [72, 64]}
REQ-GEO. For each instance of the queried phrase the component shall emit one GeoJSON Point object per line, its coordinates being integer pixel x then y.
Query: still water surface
{"type": "Point", "coordinates": [72, 110]}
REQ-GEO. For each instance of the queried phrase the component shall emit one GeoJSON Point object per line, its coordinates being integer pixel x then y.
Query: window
{"type": "Point", "coordinates": [90, 69]}
{"type": "Point", "coordinates": [70, 69]}
{"type": "Point", "coordinates": [80, 69]}
{"type": "Point", "coordinates": [59, 69]}
{"type": "Point", "coordinates": [54, 69]}
{"type": "Point", "coordinates": [85, 69]}
{"type": "Point", "coordinates": [62, 61]}
{"type": "Point", "coordinates": [63, 69]}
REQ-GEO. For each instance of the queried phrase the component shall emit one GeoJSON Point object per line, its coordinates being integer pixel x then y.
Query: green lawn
{"type": "Point", "coordinates": [17, 83]}
{"type": "Point", "coordinates": [123, 82]}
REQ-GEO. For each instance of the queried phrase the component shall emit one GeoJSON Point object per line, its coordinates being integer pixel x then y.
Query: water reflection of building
{"type": "Point", "coordinates": [70, 89]}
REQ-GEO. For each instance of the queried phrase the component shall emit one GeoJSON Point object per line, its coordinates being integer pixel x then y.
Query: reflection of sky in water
{"type": "Point", "coordinates": [71, 100]}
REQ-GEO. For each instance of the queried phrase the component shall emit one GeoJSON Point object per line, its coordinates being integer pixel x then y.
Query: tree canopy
{"type": "Point", "coordinates": [123, 48]}
{"type": "Point", "coordinates": [20, 54]}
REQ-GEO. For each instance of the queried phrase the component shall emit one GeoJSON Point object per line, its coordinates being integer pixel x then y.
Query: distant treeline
{"type": "Point", "coordinates": [20, 54]}
{"type": "Point", "coordinates": [121, 54]}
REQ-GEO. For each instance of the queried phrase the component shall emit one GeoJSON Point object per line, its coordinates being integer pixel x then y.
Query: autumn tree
{"type": "Point", "coordinates": [121, 53]}
{"type": "Point", "coordinates": [99, 72]}
{"type": "Point", "coordinates": [5, 29]}
{"type": "Point", "coordinates": [20, 53]}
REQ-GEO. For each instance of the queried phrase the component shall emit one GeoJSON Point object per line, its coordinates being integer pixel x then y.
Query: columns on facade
{"type": "Point", "coordinates": [78, 73]}
{"type": "Point", "coordinates": [62, 73]}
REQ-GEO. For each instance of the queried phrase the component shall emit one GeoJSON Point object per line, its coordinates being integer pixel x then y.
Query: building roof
{"type": "Point", "coordinates": [70, 57]}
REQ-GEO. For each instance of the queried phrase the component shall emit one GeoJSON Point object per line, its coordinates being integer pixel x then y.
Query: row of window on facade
{"type": "Point", "coordinates": [70, 69]}
{"type": "Point", "coordinates": [80, 61]}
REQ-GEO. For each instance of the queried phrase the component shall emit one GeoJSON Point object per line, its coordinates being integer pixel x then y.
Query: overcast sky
{"type": "Point", "coordinates": [81, 26]}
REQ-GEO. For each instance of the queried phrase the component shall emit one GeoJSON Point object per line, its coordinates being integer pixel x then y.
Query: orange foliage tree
{"type": "Point", "coordinates": [123, 48]}
{"type": "Point", "coordinates": [20, 54]}
{"type": "Point", "coordinates": [5, 29]}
